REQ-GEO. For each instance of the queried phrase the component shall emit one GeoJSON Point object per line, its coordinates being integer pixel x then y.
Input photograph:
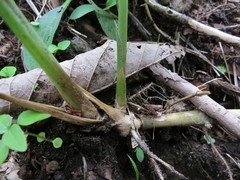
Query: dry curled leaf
{"type": "Point", "coordinates": [94, 70]}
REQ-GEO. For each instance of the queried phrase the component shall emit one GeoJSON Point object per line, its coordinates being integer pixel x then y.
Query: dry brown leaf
{"type": "Point", "coordinates": [94, 70]}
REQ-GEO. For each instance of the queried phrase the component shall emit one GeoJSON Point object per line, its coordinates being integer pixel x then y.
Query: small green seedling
{"type": "Point", "coordinates": [158, 38]}
{"type": "Point", "coordinates": [8, 71]}
{"type": "Point", "coordinates": [57, 142]}
{"type": "Point", "coordinates": [134, 167]}
{"type": "Point", "coordinates": [222, 68]}
{"type": "Point", "coordinates": [41, 137]}
{"type": "Point", "coordinates": [208, 141]}
{"type": "Point", "coordinates": [13, 137]}
{"type": "Point", "coordinates": [36, 86]}
{"type": "Point", "coordinates": [60, 46]}
{"type": "Point", "coordinates": [46, 29]}
{"type": "Point", "coordinates": [36, 24]}
{"type": "Point", "coordinates": [139, 154]}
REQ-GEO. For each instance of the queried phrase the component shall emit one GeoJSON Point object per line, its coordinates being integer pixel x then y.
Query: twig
{"type": "Point", "coordinates": [3, 56]}
{"type": "Point", "coordinates": [144, 32]}
{"type": "Point", "coordinates": [229, 27]}
{"type": "Point", "coordinates": [75, 32]}
{"type": "Point", "coordinates": [237, 164]}
{"type": "Point", "coordinates": [146, 149]}
{"type": "Point", "coordinates": [85, 168]}
{"type": "Point", "coordinates": [35, 10]}
{"type": "Point", "coordinates": [156, 27]}
{"type": "Point", "coordinates": [210, 81]}
{"type": "Point", "coordinates": [235, 74]}
{"type": "Point", "coordinates": [226, 87]}
{"type": "Point", "coordinates": [186, 20]}
{"type": "Point", "coordinates": [225, 61]}
{"type": "Point", "coordinates": [199, 93]}
{"type": "Point", "coordinates": [139, 92]}
{"type": "Point", "coordinates": [194, 51]}
{"type": "Point", "coordinates": [43, 6]}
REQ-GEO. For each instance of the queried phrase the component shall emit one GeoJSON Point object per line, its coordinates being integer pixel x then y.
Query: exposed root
{"type": "Point", "coordinates": [146, 150]}
{"type": "Point", "coordinates": [157, 171]}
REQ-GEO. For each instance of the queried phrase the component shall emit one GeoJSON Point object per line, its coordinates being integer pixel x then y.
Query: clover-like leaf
{"type": "Point", "coordinates": [222, 68]}
{"type": "Point", "coordinates": [82, 10]}
{"type": "Point", "coordinates": [5, 122]}
{"type": "Point", "coordinates": [139, 154]}
{"type": "Point", "coordinates": [57, 142]}
{"type": "Point", "coordinates": [14, 138]}
{"type": "Point", "coordinates": [4, 152]}
{"type": "Point", "coordinates": [64, 45]}
{"type": "Point", "coordinates": [53, 48]}
{"type": "Point", "coordinates": [8, 71]}
{"type": "Point", "coordinates": [29, 117]}
{"type": "Point", "coordinates": [209, 140]}
{"type": "Point", "coordinates": [41, 137]}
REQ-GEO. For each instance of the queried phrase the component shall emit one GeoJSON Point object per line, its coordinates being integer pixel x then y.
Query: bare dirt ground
{"type": "Point", "coordinates": [103, 155]}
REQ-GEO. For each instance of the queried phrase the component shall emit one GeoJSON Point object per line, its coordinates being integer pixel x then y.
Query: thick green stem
{"type": "Point", "coordinates": [30, 39]}
{"type": "Point", "coordinates": [187, 118]}
{"type": "Point", "coordinates": [121, 99]}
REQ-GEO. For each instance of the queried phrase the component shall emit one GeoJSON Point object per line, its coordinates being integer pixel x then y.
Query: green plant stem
{"type": "Point", "coordinates": [186, 118]}
{"type": "Point", "coordinates": [37, 136]}
{"type": "Point", "coordinates": [121, 99]}
{"type": "Point", "coordinates": [30, 39]}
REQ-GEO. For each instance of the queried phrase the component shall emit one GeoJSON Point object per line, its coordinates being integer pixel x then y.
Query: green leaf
{"type": "Point", "coordinates": [48, 25]}
{"type": "Point", "coordinates": [211, 139]}
{"type": "Point", "coordinates": [139, 154]}
{"type": "Point", "coordinates": [158, 38]}
{"type": "Point", "coordinates": [43, 135]}
{"type": "Point", "coordinates": [14, 138]}
{"type": "Point", "coordinates": [5, 122]}
{"type": "Point", "coordinates": [8, 71]}
{"type": "Point", "coordinates": [82, 10]}
{"type": "Point", "coordinates": [4, 152]}
{"type": "Point", "coordinates": [222, 68]}
{"type": "Point", "coordinates": [108, 23]}
{"type": "Point", "coordinates": [134, 167]}
{"type": "Point", "coordinates": [57, 142]}
{"type": "Point", "coordinates": [64, 45]}
{"type": "Point", "coordinates": [36, 86]}
{"type": "Point", "coordinates": [35, 23]}
{"type": "Point", "coordinates": [29, 117]}
{"type": "Point", "coordinates": [110, 3]}
{"type": "Point", "coordinates": [53, 48]}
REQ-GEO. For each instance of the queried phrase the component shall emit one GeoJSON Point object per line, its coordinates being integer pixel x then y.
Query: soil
{"type": "Point", "coordinates": [103, 155]}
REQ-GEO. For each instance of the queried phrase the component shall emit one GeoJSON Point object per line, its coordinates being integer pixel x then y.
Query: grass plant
{"type": "Point", "coordinates": [121, 99]}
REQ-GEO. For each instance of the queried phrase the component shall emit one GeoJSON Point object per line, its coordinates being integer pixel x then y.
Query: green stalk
{"type": "Point", "coordinates": [187, 118]}
{"type": "Point", "coordinates": [121, 99]}
{"type": "Point", "coordinates": [37, 136]}
{"type": "Point", "coordinates": [30, 39]}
